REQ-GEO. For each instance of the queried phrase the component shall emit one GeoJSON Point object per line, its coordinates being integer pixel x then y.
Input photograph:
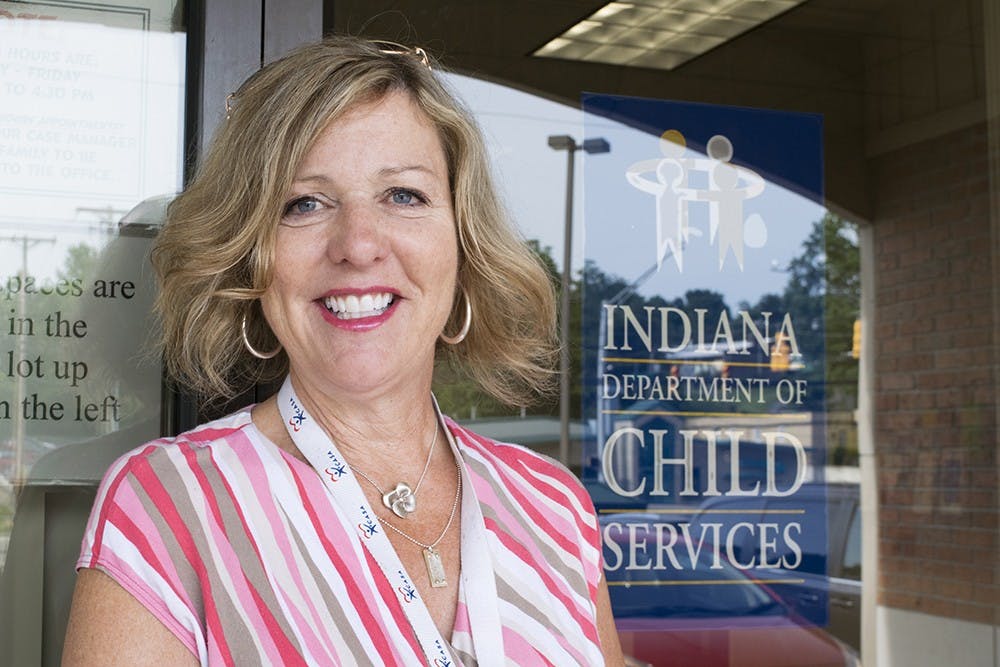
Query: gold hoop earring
{"type": "Point", "coordinates": [460, 336]}
{"type": "Point", "coordinates": [250, 348]}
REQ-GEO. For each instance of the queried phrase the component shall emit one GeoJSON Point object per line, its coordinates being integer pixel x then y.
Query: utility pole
{"type": "Point", "coordinates": [568, 144]}
{"type": "Point", "coordinates": [26, 242]}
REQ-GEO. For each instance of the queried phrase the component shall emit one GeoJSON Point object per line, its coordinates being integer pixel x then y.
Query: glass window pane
{"type": "Point", "coordinates": [91, 151]}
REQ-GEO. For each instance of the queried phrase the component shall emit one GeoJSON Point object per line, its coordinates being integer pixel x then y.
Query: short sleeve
{"type": "Point", "coordinates": [133, 537]}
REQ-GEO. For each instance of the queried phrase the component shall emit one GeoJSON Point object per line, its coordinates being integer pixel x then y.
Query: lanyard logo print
{"type": "Point", "coordinates": [335, 472]}
{"type": "Point", "coordinates": [298, 416]}
{"type": "Point", "coordinates": [409, 593]}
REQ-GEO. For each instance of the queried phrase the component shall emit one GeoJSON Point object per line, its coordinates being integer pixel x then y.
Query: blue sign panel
{"type": "Point", "coordinates": [703, 381]}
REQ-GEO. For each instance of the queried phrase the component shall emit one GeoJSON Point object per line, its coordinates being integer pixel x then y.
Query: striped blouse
{"type": "Point", "coordinates": [240, 550]}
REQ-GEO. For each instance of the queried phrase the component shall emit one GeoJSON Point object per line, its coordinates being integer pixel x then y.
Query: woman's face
{"type": "Point", "coordinates": [367, 254]}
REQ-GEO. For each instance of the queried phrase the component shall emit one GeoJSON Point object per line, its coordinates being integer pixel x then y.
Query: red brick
{"type": "Point", "coordinates": [974, 613]}
{"type": "Point", "coordinates": [950, 214]}
{"type": "Point", "coordinates": [981, 519]}
{"type": "Point", "coordinates": [896, 243]}
{"type": "Point", "coordinates": [885, 264]}
{"type": "Point", "coordinates": [916, 256]}
{"type": "Point", "coordinates": [955, 320]}
{"type": "Point", "coordinates": [957, 590]}
{"type": "Point", "coordinates": [936, 606]}
{"type": "Point", "coordinates": [986, 594]}
{"type": "Point", "coordinates": [932, 342]}
{"type": "Point", "coordinates": [915, 362]}
{"type": "Point", "coordinates": [983, 477]}
{"type": "Point", "coordinates": [980, 498]}
{"type": "Point", "coordinates": [915, 291]}
{"type": "Point", "coordinates": [891, 381]}
{"type": "Point", "coordinates": [935, 400]}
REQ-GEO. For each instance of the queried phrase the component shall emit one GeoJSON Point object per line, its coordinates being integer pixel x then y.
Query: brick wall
{"type": "Point", "coordinates": [935, 424]}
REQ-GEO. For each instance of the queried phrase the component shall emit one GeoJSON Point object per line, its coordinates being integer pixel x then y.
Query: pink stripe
{"type": "Point", "coordinates": [135, 522]}
{"type": "Point", "coordinates": [256, 472]}
{"type": "Point", "coordinates": [519, 650]}
{"type": "Point", "coordinates": [584, 620]}
{"type": "Point", "coordinates": [512, 525]}
{"type": "Point", "coordinates": [462, 622]}
{"type": "Point", "coordinates": [528, 505]}
{"type": "Point", "coordinates": [549, 469]}
{"type": "Point", "coordinates": [308, 636]}
{"type": "Point", "coordinates": [560, 533]}
{"type": "Point", "coordinates": [547, 523]}
{"type": "Point", "coordinates": [391, 601]}
{"type": "Point", "coordinates": [249, 595]}
{"type": "Point", "coordinates": [590, 532]}
{"type": "Point", "coordinates": [356, 597]}
{"type": "Point", "coordinates": [112, 489]}
{"type": "Point", "coordinates": [558, 528]}
{"type": "Point", "coordinates": [515, 454]}
{"type": "Point", "coordinates": [207, 435]}
{"type": "Point", "coordinates": [220, 429]}
{"type": "Point", "coordinates": [486, 493]}
{"type": "Point", "coordinates": [263, 620]}
{"type": "Point", "coordinates": [154, 489]}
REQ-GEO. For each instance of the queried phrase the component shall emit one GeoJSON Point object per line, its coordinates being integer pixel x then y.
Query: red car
{"type": "Point", "coordinates": [726, 642]}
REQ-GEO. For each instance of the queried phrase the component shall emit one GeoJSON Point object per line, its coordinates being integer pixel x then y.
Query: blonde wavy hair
{"type": "Point", "coordinates": [214, 257]}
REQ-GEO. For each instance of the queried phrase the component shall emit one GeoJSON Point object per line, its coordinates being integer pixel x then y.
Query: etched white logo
{"type": "Point", "coordinates": [669, 180]}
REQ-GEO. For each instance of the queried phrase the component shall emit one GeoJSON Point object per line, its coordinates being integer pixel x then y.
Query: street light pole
{"type": "Point", "coordinates": [568, 144]}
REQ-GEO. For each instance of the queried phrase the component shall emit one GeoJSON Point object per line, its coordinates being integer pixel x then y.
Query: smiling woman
{"type": "Point", "coordinates": [340, 232]}
{"type": "Point", "coordinates": [370, 218]}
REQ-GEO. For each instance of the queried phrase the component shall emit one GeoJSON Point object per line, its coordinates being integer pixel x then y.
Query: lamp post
{"type": "Point", "coordinates": [564, 142]}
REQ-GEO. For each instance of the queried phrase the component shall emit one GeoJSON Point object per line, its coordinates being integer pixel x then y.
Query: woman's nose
{"type": "Point", "coordinates": [358, 237]}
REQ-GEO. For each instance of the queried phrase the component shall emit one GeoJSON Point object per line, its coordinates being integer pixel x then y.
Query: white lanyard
{"type": "Point", "coordinates": [343, 485]}
{"type": "Point", "coordinates": [478, 578]}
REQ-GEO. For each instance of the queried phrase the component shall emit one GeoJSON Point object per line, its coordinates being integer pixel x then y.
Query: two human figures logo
{"type": "Point", "coordinates": [668, 179]}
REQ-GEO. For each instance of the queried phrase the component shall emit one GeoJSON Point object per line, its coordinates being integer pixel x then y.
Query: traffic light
{"type": "Point", "coordinates": [856, 340]}
{"type": "Point", "coordinates": [780, 353]}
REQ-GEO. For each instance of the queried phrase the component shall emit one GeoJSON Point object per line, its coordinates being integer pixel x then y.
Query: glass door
{"type": "Point", "coordinates": [91, 151]}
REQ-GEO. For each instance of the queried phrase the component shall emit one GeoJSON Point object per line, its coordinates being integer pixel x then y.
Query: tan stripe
{"type": "Point", "coordinates": [573, 577]}
{"type": "Point", "coordinates": [167, 474]}
{"type": "Point", "coordinates": [506, 591]}
{"type": "Point", "coordinates": [341, 625]}
{"type": "Point", "coordinates": [251, 567]}
{"type": "Point", "coordinates": [462, 658]}
{"type": "Point", "coordinates": [236, 626]}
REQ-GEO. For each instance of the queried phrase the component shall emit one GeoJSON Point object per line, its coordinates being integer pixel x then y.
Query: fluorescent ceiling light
{"type": "Point", "coordinates": [662, 34]}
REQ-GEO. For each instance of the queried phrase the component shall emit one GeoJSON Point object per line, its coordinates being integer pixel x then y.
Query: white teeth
{"type": "Point", "coordinates": [352, 307]}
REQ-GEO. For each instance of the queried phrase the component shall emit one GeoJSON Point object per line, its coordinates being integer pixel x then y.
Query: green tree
{"type": "Point", "coordinates": [824, 292]}
{"type": "Point", "coordinates": [459, 396]}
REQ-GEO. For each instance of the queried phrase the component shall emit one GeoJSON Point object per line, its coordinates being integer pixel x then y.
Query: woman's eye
{"type": "Point", "coordinates": [403, 197]}
{"type": "Point", "coordinates": [302, 206]}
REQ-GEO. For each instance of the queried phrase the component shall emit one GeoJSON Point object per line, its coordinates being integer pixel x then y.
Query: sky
{"type": "Point", "coordinates": [87, 133]}
{"type": "Point", "coordinates": [615, 223]}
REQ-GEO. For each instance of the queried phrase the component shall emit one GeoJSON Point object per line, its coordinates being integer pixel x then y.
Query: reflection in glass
{"type": "Point", "coordinates": [90, 126]}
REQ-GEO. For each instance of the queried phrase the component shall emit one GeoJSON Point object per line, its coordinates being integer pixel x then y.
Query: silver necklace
{"type": "Point", "coordinates": [432, 557]}
{"type": "Point", "coordinates": [402, 500]}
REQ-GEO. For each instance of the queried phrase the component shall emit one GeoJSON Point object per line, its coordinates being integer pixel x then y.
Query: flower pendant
{"type": "Point", "coordinates": [400, 500]}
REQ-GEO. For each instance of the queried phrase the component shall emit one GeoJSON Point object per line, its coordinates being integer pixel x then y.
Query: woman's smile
{"type": "Point", "coordinates": [352, 307]}
{"type": "Point", "coordinates": [358, 310]}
